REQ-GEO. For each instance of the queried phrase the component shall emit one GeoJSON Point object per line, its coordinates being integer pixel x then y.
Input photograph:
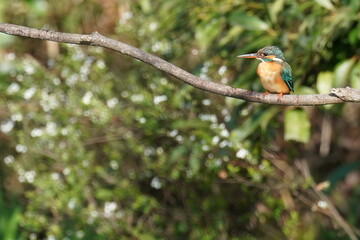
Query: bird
{"type": "Point", "coordinates": [274, 72]}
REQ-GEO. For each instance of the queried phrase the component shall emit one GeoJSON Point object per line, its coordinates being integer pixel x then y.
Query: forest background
{"type": "Point", "coordinates": [96, 145]}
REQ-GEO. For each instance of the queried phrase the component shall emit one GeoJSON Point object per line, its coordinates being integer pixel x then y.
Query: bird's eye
{"type": "Point", "coordinates": [265, 54]}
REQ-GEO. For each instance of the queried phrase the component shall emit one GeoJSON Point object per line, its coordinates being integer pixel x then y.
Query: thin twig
{"type": "Point", "coordinates": [96, 39]}
{"type": "Point", "coordinates": [332, 211]}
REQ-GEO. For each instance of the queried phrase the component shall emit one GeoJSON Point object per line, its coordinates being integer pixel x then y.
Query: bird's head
{"type": "Point", "coordinates": [267, 54]}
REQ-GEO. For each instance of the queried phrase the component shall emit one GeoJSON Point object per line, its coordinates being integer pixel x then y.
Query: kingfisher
{"type": "Point", "coordinates": [275, 74]}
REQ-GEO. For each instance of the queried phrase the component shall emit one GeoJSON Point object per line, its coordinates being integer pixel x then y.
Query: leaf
{"type": "Point", "coordinates": [206, 32]}
{"type": "Point", "coordinates": [275, 9]}
{"type": "Point", "coordinates": [248, 22]}
{"type": "Point", "coordinates": [326, 4]}
{"type": "Point", "coordinates": [146, 6]}
{"type": "Point", "coordinates": [187, 125]}
{"type": "Point", "coordinates": [297, 125]}
{"type": "Point", "coordinates": [12, 224]}
{"type": "Point", "coordinates": [232, 168]}
{"type": "Point", "coordinates": [355, 76]}
{"type": "Point", "coordinates": [6, 40]}
{"type": "Point", "coordinates": [303, 90]}
{"type": "Point", "coordinates": [353, 36]}
{"type": "Point", "coordinates": [178, 153]}
{"type": "Point", "coordinates": [342, 71]}
{"type": "Point", "coordinates": [231, 34]}
{"type": "Point", "coordinates": [324, 82]}
{"type": "Point", "coordinates": [252, 124]}
{"type": "Point", "coordinates": [195, 159]}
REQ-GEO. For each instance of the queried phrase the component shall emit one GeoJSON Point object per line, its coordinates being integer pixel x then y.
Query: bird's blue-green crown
{"type": "Point", "coordinates": [271, 50]}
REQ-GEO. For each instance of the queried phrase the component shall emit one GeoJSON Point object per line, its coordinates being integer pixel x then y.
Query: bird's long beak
{"type": "Point", "coordinates": [250, 55]}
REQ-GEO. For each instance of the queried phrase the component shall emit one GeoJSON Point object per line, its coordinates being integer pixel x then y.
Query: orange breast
{"type": "Point", "coordinates": [270, 77]}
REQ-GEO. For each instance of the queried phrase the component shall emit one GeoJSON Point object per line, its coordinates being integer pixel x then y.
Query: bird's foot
{"type": "Point", "coordinates": [279, 96]}
{"type": "Point", "coordinates": [266, 93]}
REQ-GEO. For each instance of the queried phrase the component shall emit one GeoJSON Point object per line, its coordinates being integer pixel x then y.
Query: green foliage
{"type": "Point", "coordinates": [324, 82]}
{"type": "Point", "coordinates": [9, 220]}
{"type": "Point", "coordinates": [297, 125]}
{"type": "Point", "coordinates": [100, 146]}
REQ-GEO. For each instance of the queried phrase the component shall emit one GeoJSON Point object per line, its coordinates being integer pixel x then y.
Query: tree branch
{"type": "Point", "coordinates": [96, 39]}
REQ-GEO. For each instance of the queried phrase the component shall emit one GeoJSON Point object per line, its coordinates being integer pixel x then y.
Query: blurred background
{"type": "Point", "coordinates": [96, 145]}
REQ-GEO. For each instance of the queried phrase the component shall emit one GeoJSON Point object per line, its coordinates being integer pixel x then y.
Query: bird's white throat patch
{"type": "Point", "coordinates": [278, 59]}
{"type": "Point", "coordinates": [275, 59]}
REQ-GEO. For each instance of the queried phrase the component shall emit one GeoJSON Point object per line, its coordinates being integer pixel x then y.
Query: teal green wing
{"type": "Point", "coordinates": [286, 75]}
